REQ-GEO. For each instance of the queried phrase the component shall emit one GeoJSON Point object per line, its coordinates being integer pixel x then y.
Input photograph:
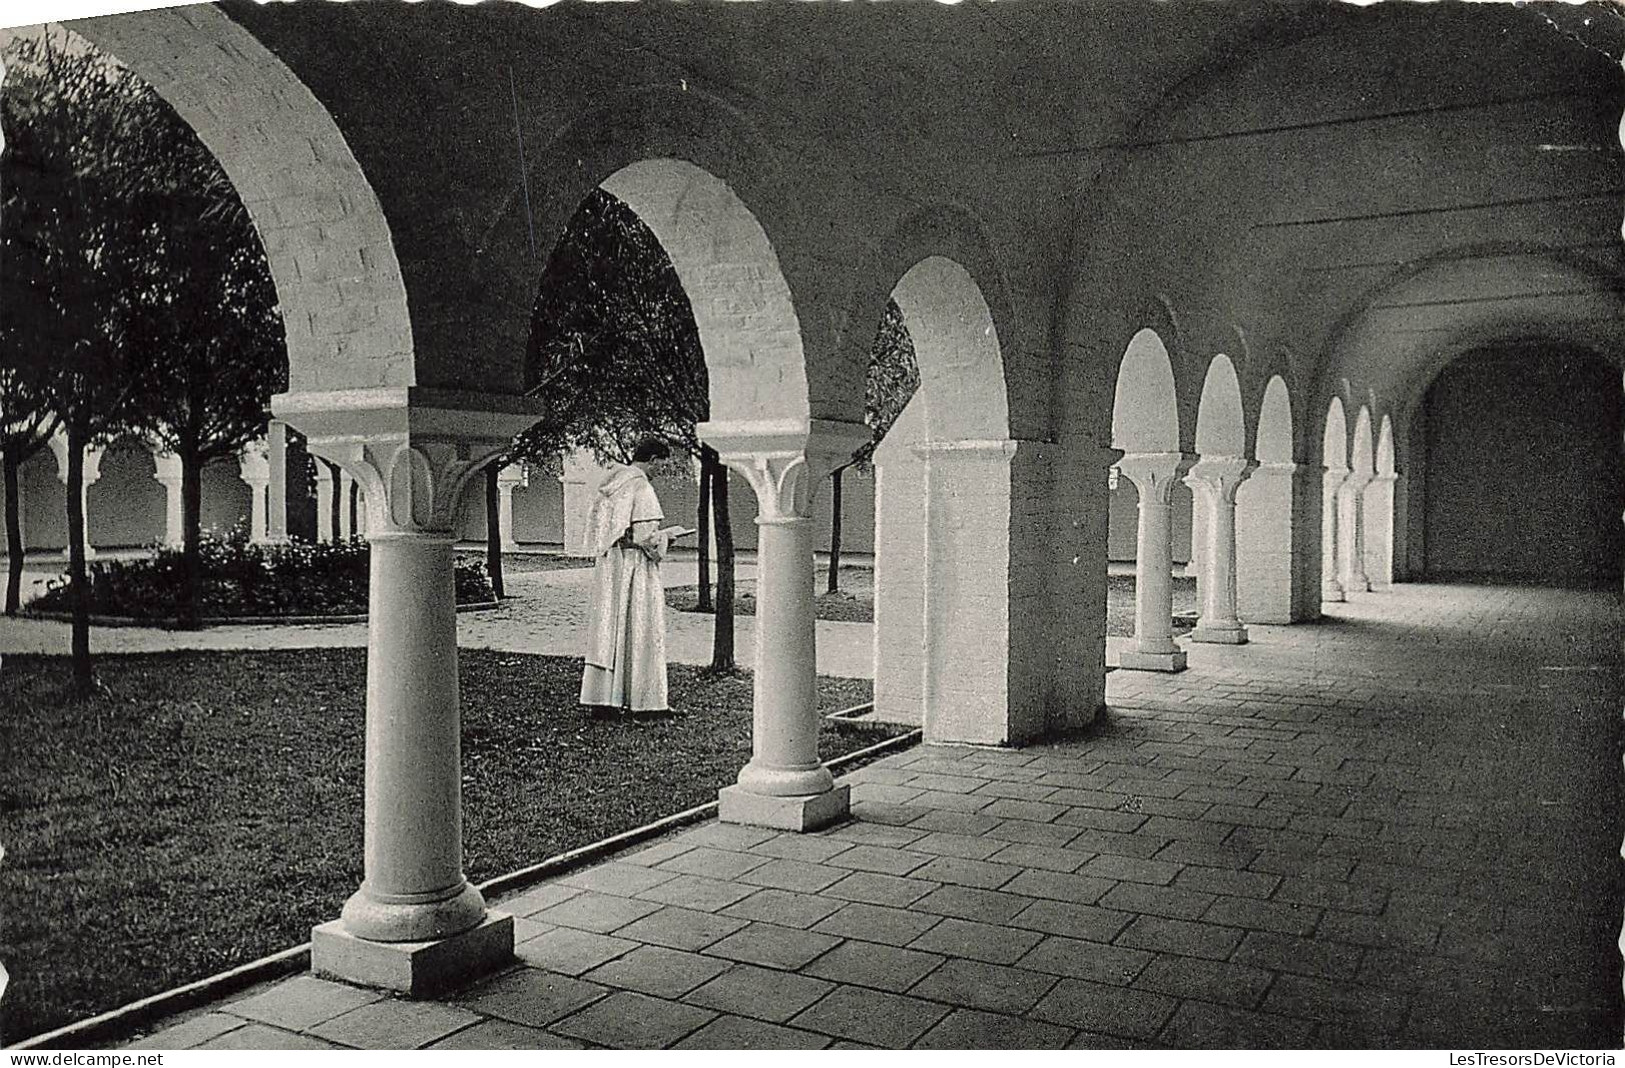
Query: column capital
{"type": "Point", "coordinates": [1222, 475]}
{"type": "Point", "coordinates": [512, 475]}
{"type": "Point", "coordinates": [166, 467]}
{"type": "Point", "coordinates": [1154, 473]}
{"type": "Point", "coordinates": [254, 463]}
{"type": "Point", "coordinates": [1386, 478]}
{"type": "Point", "coordinates": [784, 460]}
{"type": "Point", "coordinates": [412, 449]}
{"type": "Point", "coordinates": [93, 458]}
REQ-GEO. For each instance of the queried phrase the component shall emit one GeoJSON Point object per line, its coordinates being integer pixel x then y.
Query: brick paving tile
{"type": "Point", "coordinates": [1101, 819]}
{"type": "Point", "coordinates": [773, 946]}
{"type": "Point", "coordinates": [876, 923]}
{"type": "Point", "coordinates": [1184, 937]}
{"type": "Point", "coordinates": [977, 941]}
{"type": "Point", "coordinates": [808, 848]}
{"type": "Point", "coordinates": [797, 875]}
{"type": "Point", "coordinates": [1073, 920]}
{"type": "Point", "coordinates": [394, 1024]}
{"type": "Point", "coordinates": [890, 1021]}
{"type": "Point", "coordinates": [1019, 791]}
{"type": "Point", "coordinates": [763, 993]}
{"type": "Point", "coordinates": [878, 889]}
{"type": "Point", "coordinates": [968, 824]}
{"type": "Point", "coordinates": [602, 913]}
{"type": "Point", "coordinates": [1381, 931]}
{"type": "Point", "coordinates": [883, 793]}
{"type": "Point", "coordinates": [1095, 1040]}
{"type": "Point", "coordinates": [533, 901]}
{"type": "Point", "coordinates": [948, 784]}
{"type": "Point", "coordinates": [1110, 843]}
{"type": "Point", "coordinates": [1021, 854]}
{"type": "Point", "coordinates": [1083, 889]}
{"type": "Point", "coordinates": [657, 970]}
{"type": "Point", "coordinates": [531, 996]}
{"type": "Point", "coordinates": [1110, 1010]}
{"type": "Point", "coordinates": [856, 832]}
{"type": "Point", "coordinates": [193, 1032]}
{"type": "Point", "coordinates": [261, 1036]}
{"type": "Point", "coordinates": [943, 804]}
{"type": "Point", "coordinates": [783, 907]}
{"type": "Point", "coordinates": [571, 951]}
{"type": "Point", "coordinates": [1198, 1025]}
{"type": "Point", "coordinates": [1281, 917]}
{"type": "Point", "coordinates": [1207, 855]}
{"type": "Point", "coordinates": [1170, 901]}
{"type": "Point", "coordinates": [634, 1021]}
{"type": "Point", "coordinates": [1366, 1008]}
{"type": "Point", "coordinates": [697, 892]}
{"type": "Point", "coordinates": [970, 1029]}
{"type": "Point", "coordinates": [887, 861]}
{"type": "Point", "coordinates": [301, 1002]}
{"type": "Point", "coordinates": [713, 863]}
{"type": "Point", "coordinates": [1131, 869]}
{"type": "Point", "coordinates": [1206, 980]}
{"type": "Point", "coordinates": [962, 872]}
{"type": "Point", "coordinates": [625, 880]}
{"type": "Point", "coordinates": [501, 1034]}
{"type": "Point", "coordinates": [1086, 960]}
{"type": "Point", "coordinates": [1193, 830]}
{"type": "Point", "coordinates": [1302, 956]}
{"type": "Point", "coordinates": [1369, 899]}
{"type": "Point", "coordinates": [980, 985]}
{"type": "Point", "coordinates": [875, 813]}
{"type": "Point", "coordinates": [872, 964]}
{"type": "Point", "coordinates": [1299, 864]}
{"type": "Point", "coordinates": [965, 846]}
{"type": "Point", "coordinates": [971, 903]}
{"type": "Point", "coordinates": [738, 1032]}
{"type": "Point", "coordinates": [732, 836]}
{"type": "Point", "coordinates": [1175, 807]}
{"type": "Point", "coordinates": [1224, 881]}
{"type": "Point", "coordinates": [1032, 832]}
{"type": "Point", "coordinates": [1037, 811]}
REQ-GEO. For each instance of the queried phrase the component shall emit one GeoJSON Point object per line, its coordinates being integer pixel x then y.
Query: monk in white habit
{"type": "Point", "coordinates": [626, 624]}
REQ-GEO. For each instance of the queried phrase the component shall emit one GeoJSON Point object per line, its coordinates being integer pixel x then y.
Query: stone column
{"type": "Point", "coordinates": [900, 572]}
{"type": "Point", "coordinates": [509, 478]}
{"type": "Point", "coordinates": [1377, 524]}
{"type": "Point", "coordinates": [1196, 566]}
{"type": "Point", "coordinates": [276, 504]}
{"type": "Point", "coordinates": [324, 504]}
{"type": "Point", "coordinates": [93, 471]}
{"type": "Point", "coordinates": [416, 924]}
{"type": "Point", "coordinates": [1214, 482]}
{"type": "Point", "coordinates": [1154, 475]}
{"type": "Point", "coordinates": [1331, 585]}
{"type": "Point", "coordinates": [167, 470]}
{"type": "Point", "coordinates": [580, 477]}
{"type": "Point", "coordinates": [784, 785]}
{"type": "Point", "coordinates": [254, 467]}
{"type": "Point", "coordinates": [345, 489]}
{"type": "Point", "coordinates": [1351, 535]}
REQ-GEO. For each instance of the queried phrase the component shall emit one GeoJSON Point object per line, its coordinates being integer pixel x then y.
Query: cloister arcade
{"type": "Point", "coordinates": [1232, 260]}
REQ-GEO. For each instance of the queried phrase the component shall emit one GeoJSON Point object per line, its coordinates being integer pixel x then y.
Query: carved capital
{"type": "Point", "coordinates": [254, 463]}
{"type": "Point", "coordinates": [784, 460]}
{"type": "Point", "coordinates": [1219, 477]}
{"type": "Point", "coordinates": [511, 476]}
{"type": "Point", "coordinates": [93, 458]}
{"type": "Point", "coordinates": [166, 468]}
{"type": "Point", "coordinates": [1154, 474]}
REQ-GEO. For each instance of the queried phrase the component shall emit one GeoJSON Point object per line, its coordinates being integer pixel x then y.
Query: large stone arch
{"type": "Point", "coordinates": [329, 246]}
{"type": "Point", "coordinates": [1145, 400]}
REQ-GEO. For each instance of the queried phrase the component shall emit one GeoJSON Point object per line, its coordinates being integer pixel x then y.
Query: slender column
{"type": "Point", "coordinates": [416, 924]}
{"type": "Point", "coordinates": [167, 470]}
{"type": "Point", "coordinates": [276, 504]}
{"type": "Point", "coordinates": [92, 472]}
{"type": "Point", "coordinates": [784, 785]}
{"type": "Point", "coordinates": [1351, 535]}
{"type": "Point", "coordinates": [1331, 585]}
{"type": "Point", "coordinates": [1377, 525]}
{"type": "Point", "coordinates": [254, 467]}
{"type": "Point", "coordinates": [509, 479]}
{"type": "Point", "coordinates": [346, 529]}
{"type": "Point", "coordinates": [1214, 481]}
{"type": "Point", "coordinates": [1196, 566]}
{"type": "Point", "coordinates": [1154, 475]}
{"type": "Point", "coordinates": [324, 504]}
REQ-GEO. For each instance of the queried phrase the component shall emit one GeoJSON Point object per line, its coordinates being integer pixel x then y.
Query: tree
{"type": "Point", "coordinates": [616, 357]}
{"type": "Point", "coordinates": [75, 129]}
{"type": "Point", "coordinates": [26, 426]}
{"type": "Point", "coordinates": [893, 377]}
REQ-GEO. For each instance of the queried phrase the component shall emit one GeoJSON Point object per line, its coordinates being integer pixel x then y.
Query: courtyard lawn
{"type": "Point", "coordinates": [205, 810]}
{"type": "Point", "coordinates": [529, 563]}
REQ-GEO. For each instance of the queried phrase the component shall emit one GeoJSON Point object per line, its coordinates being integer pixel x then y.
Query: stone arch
{"type": "Point", "coordinates": [1362, 453]}
{"type": "Point", "coordinates": [329, 246]}
{"type": "Point", "coordinates": [1334, 461]}
{"type": "Point", "coordinates": [1221, 426]}
{"type": "Point", "coordinates": [1275, 432]}
{"type": "Point", "coordinates": [1385, 447]}
{"type": "Point", "coordinates": [1145, 402]}
{"type": "Point", "coordinates": [1334, 442]}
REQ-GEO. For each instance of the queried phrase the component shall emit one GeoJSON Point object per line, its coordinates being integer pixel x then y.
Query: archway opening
{"type": "Point", "coordinates": [1334, 458]}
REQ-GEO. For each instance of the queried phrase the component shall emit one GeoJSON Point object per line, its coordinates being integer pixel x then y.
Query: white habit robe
{"type": "Point", "coordinates": [626, 625]}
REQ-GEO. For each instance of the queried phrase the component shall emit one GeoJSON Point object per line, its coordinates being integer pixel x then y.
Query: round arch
{"type": "Point", "coordinates": [1362, 457]}
{"type": "Point", "coordinates": [1334, 442]}
{"type": "Point", "coordinates": [1275, 438]}
{"type": "Point", "coordinates": [956, 345]}
{"type": "Point", "coordinates": [1220, 422]}
{"type": "Point", "coordinates": [1145, 403]}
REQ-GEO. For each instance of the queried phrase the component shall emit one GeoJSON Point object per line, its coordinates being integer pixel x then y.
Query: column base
{"type": "Point", "coordinates": [416, 969]}
{"type": "Point", "coordinates": [1331, 594]}
{"type": "Point", "coordinates": [1220, 634]}
{"type": "Point", "coordinates": [1133, 660]}
{"type": "Point", "coordinates": [810, 812]}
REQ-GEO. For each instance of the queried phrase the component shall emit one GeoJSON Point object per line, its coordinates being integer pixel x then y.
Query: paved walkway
{"type": "Point", "coordinates": [1399, 827]}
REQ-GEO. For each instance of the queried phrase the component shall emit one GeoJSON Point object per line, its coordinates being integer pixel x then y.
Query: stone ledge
{"type": "Point", "coordinates": [735, 804]}
{"type": "Point", "coordinates": [1136, 661]}
{"type": "Point", "coordinates": [416, 969]}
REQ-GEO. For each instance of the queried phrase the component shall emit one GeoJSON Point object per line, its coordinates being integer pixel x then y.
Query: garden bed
{"type": "Point", "coordinates": [205, 809]}
{"type": "Point", "coordinates": [854, 602]}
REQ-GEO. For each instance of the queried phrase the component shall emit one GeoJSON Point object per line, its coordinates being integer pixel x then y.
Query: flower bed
{"type": "Point", "coordinates": [241, 579]}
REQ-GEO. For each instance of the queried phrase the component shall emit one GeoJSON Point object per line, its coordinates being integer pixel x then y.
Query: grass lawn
{"type": "Point", "coordinates": [530, 563]}
{"type": "Point", "coordinates": [1120, 605]}
{"type": "Point", "coordinates": [206, 809]}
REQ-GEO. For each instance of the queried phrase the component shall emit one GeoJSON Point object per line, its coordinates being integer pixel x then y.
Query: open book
{"type": "Point", "coordinates": [673, 533]}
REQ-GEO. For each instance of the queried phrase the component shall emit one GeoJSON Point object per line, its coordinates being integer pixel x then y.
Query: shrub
{"type": "Point", "coordinates": [241, 578]}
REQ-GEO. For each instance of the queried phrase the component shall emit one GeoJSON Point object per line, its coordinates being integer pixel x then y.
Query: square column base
{"type": "Point", "coordinates": [1236, 635]}
{"type": "Point", "coordinates": [416, 969]}
{"type": "Point", "coordinates": [735, 804]}
{"type": "Point", "coordinates": [1137, 661]}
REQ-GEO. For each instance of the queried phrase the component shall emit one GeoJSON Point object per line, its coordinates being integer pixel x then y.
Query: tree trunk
{"type": "Point", "coordinates": [189, 613]}
{"type": "Point", "coordinates": [835, 530]}
{"type": "Point", "coordinates": [84, 678]}
{"type": "Point", "coordinates": [14, 535]}
{"type": "Point", "coordinates": [337, 508]}
{"type": "Point", "coordinates": [722, 643]}
{"type": "Point", "coordinates": [493, 529]}
{"type": "Point", "coordinates": [703, 602]}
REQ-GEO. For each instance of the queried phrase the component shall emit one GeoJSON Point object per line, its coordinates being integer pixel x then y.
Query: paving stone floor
{"type": "Point", "coordinates": [1399, 827]}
